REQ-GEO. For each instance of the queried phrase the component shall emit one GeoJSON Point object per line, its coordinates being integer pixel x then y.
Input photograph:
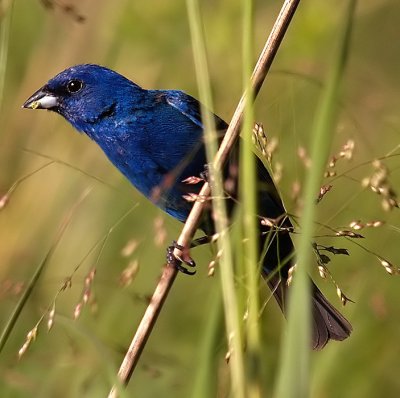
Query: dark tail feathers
{"type": "Point", "coordinates": [328, 323]}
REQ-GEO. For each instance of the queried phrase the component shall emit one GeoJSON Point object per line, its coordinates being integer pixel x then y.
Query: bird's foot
{"type": "Point", "coordinates": [176, 261]}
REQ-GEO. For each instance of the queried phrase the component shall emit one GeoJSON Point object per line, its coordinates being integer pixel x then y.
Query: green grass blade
{"type": "Point", "coordinates": [4, 40]}
{"type": "Point", "coordinates": [221, 220]}
{"type": "Point", "coordinates": [294, 377]}
{"type": "Point", "coordinates": [205, 384]}
{"type": "Point", "coordinates": [5, 334]}
{"type": "Point", "coordinates": [12, 320]}
{"type": "Point", "coordinates": [248, 190]}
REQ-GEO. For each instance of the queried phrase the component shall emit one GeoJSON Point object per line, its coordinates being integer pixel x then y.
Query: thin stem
{"type": "Point", "coordinates": [294, 373]}
{"type": "Point", "coordinates": [5, 23]}
{"type": "Point", "coordinates": [227, 277]}
{"type": "Point", "coordinates": [248, 190]}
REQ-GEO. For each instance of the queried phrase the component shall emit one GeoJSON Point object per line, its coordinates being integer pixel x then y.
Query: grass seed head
{"type": "Point", "coordinates": [129, 248]}
{"type": "Point", "coordinates": [50, 318]}
{"type": "Point", "coordinates": [291, 271]}
{"type": "Point", "coordinates": [4, 200]}
{"type": "Point", "coordinates": [129, 273]}
{"type": "Point", "coordinates": [30, 337]}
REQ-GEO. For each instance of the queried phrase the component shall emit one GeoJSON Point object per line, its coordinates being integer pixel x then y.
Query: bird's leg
{"type": "Point", "coordinates": [176, 262]}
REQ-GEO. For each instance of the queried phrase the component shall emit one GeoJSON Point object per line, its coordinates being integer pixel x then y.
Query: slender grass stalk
{"type": "Point", "coordinates": [5, 23]}
{"type": "Point", "coordinates": [294, 376]}
{"type": "Point", "coordinates": [248, 190]}
{"type": "Point", "coordinates": [12, 320]}
{"type": "Point", "coordinates": [219, 209]}
{"type": "Point", "coordinates": [205, 383]}
{"type": "Point", "coordinates": [5, 334]}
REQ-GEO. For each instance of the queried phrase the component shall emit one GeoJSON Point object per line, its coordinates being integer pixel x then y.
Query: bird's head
{"type": "Point", "coordinates": [83, 94]}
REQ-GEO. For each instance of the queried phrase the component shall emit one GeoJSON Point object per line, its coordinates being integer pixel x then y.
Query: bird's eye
{"type": "Point", "coordinates": [73, 86]}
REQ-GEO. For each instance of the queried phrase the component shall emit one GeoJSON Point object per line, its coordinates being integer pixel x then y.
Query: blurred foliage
{"type": "Point", "coordinates": [149, 42]}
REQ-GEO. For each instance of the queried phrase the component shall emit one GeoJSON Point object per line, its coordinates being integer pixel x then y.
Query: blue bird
{"type": "Point", "coordinates": [155, 138]}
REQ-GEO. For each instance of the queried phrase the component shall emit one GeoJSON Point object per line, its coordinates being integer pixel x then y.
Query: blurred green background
{"type": "Point", "coordinates": [149, 42]}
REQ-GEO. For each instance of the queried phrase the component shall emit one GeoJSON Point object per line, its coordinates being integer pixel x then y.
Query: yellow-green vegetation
{"type": "Point", "coordinates": [92, 248]}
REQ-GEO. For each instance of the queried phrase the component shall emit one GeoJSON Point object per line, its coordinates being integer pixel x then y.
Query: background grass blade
{"type": "Point", "coordinates": [294, 375]}
{"type": "Point", "coordinates": [5, 22]}
{"type": "Point", "coordinates": [248, 189]}
{"type": "Point", "coordinates": [12, 320]}
{"type": "Point", "coordinates": [206, 378]}
{"type": "Point", "coordinates": [231, 311]}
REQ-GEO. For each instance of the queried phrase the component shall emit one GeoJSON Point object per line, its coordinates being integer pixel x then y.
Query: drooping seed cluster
{"type": "Point", "coordinates": [268, 147]}
{"type": "Point", "coordinates": [379, 183]}
{"type": "Point", "coordinates": [87, 293]}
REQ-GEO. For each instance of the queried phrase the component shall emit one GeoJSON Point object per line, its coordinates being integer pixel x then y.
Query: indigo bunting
{"type": "Point", "coordinates": [155, 138]}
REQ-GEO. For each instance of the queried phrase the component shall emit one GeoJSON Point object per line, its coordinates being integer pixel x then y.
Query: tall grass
{"type": "Point", "coordinates": [294, 372]}
{"type": "Point", "coordinates": [231, 311]}
{"type": "Point", "coordinates": [206, 379]}
{"type": "Point", "coordinates": [5, 22]}
{"type": "Point", "coordinates": [248, 190]}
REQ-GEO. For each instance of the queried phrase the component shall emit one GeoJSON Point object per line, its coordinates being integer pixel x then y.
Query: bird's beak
{"type": "Point", "coordinates": [42, 99]}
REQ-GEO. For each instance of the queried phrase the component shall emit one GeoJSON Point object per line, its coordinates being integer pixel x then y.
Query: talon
{"type": "Point", "coordinates": [176, 261]}
{"type": "Point", "coordinates": [182, 269]}
{"type": "Point", "coordinates": [190, 262]}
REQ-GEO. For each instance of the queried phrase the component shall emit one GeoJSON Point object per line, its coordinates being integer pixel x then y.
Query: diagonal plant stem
{"type": "Point", "coordinates": [169, 273]}
{"type": "Point", "coordinates": [5, 333]}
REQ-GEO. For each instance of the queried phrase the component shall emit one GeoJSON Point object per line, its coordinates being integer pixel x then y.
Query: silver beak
{"type": "Point", "coordinates": [41, 100]}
